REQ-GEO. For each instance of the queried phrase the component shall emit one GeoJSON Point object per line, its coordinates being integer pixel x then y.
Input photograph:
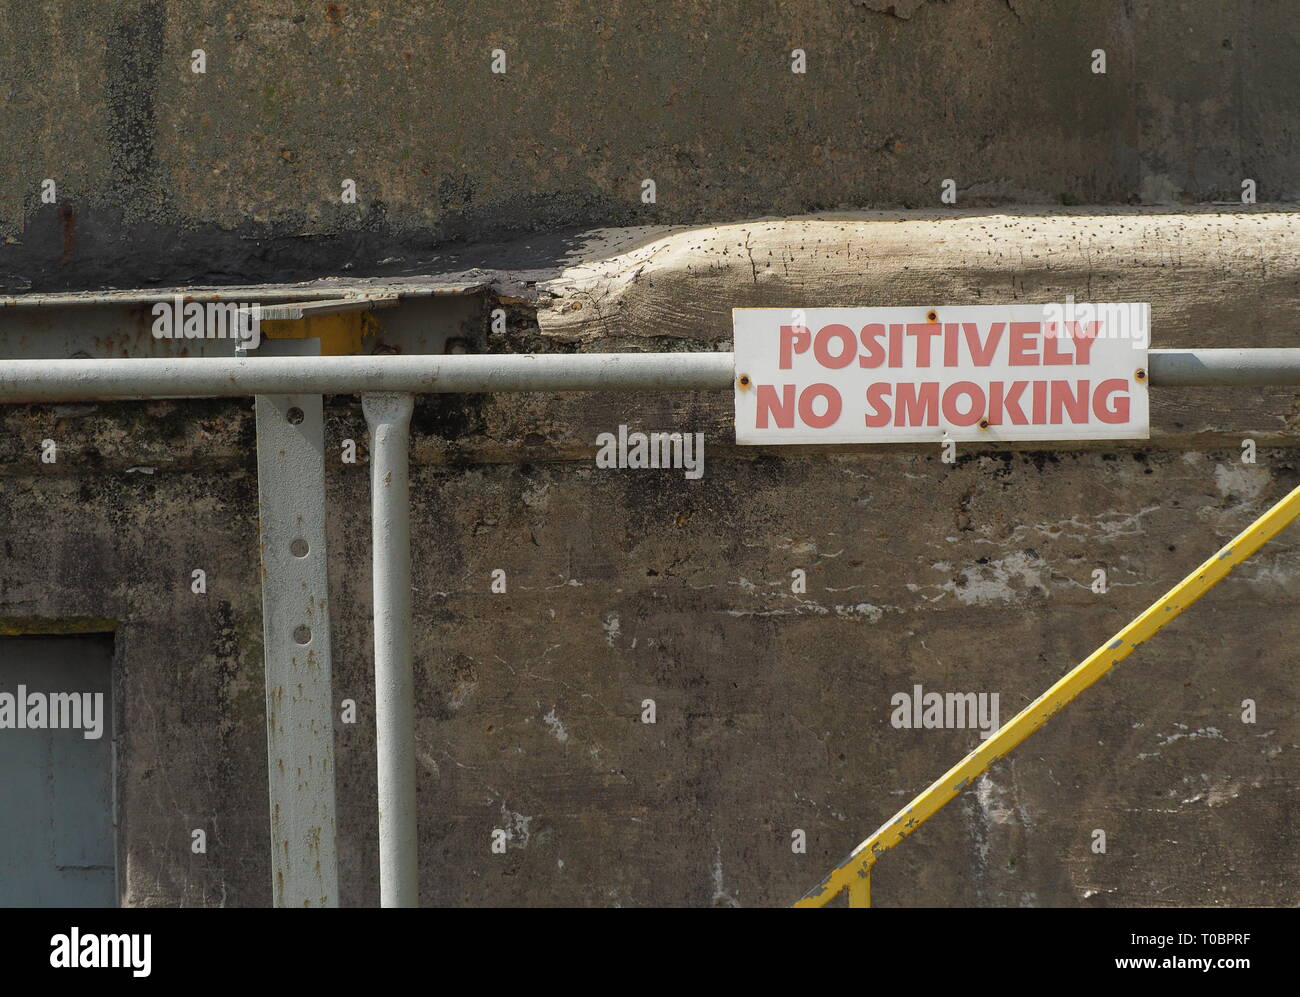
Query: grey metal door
{"type": "Point", "coordinates": [57, 846]}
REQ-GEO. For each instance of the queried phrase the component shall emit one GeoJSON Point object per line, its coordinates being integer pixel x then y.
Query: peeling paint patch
{"type": "Point", "coordinates": [516, 826]}
{"type": "Point", "coordinates": [864, 609]}
{"type": "Point", "coordinates": [536, 497]}
{"type": "Point", "coordinates": [612, 627]}
{"type": "Point", "coordinates": [1241, 481]}
{"type": "Point", "coordinates": [555, 727]}
{"type": "Point", "coordinates": [1007, 579]}
{"type": "Point", "coordinates": [1211, 732]}
{"type": "Point", "coordinates": [861, 610]}
{"type": "Point", "coordinates": [1216, 795]}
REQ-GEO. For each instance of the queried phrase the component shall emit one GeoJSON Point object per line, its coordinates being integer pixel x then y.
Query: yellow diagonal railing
{"type": "Point", "coordinates": [854, 873]}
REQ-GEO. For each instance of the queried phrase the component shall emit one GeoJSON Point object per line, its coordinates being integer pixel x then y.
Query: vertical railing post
{"type": "Point", "coordinates": [388, 415]}
{"type": "Point", "coordinates": [296, 632]}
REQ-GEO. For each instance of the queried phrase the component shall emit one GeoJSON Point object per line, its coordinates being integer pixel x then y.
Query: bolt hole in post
{"type": "Point", "coordinates": [294, 415]}
{"type": "Point", "coordinates": [299, 548]}
{"type": "Point", "coordinates": [302, 634]}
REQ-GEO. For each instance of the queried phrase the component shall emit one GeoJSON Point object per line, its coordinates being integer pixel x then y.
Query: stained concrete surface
{"type": "Point", "coordinates": [168, 176]}
{"type": "Point", "coordinates": [773, 709]}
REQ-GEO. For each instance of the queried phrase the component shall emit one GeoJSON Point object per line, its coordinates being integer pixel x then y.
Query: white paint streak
{"type": "Point", "coordinates": [721, 898]}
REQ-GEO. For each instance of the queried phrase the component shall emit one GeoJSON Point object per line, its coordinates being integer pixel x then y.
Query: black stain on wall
{"type": "Point", "coordinates": [133, 58]}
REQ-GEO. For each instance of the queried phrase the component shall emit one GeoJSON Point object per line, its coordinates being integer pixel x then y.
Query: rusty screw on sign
{"type": "Point", "coordinates": [932, 316]}
{"type": "Point", "coordinates": [744, 381]}
{"type": "Point", "coordinates": [1140, 374]}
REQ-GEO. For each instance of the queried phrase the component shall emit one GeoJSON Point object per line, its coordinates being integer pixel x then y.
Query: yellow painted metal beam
{"type": "Point", "coordinates": [853, 874]}
{"type": "Point", "coordinates": [339, 335]}
{"type": "Point", "coordinates": [860, 889]}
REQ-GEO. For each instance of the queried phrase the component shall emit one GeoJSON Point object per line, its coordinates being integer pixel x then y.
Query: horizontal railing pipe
{"type": "Point", "coordinates": [198, 377]}
{"type": "Point", "coordinates": [203, 377]}
{"type": "Point", "coordinates": [1224, 368]}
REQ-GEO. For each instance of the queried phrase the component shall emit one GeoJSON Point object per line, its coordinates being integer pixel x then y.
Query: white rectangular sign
{"type": "Point", "coordinates": [906, 375]}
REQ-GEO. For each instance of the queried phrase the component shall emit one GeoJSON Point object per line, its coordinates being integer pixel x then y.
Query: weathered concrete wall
{"type": "Point", "coordinates": [773, 709]}
{"type": "Point", "coordinates": [164, 175]}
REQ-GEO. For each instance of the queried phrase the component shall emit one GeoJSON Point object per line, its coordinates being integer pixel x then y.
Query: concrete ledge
{"type": "Point", "coordinates": [1213, 277]}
